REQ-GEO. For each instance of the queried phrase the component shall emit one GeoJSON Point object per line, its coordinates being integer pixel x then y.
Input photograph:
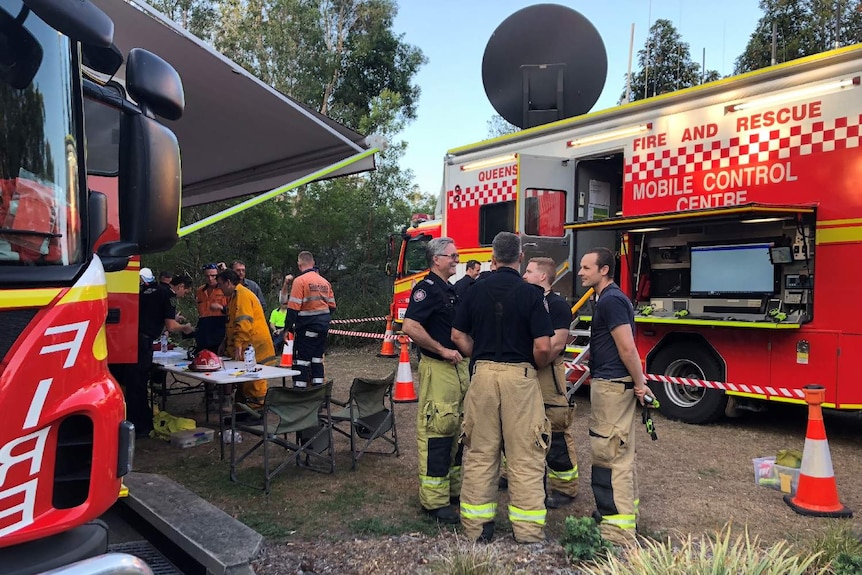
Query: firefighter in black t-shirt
{"type": "Point", "coordinates": [504, 326]}
{"type": "Point", "coordinates": [617, 378]}
{"type": "Point", "coordinates": [443, 380]}
{"type": "Point", "coordinates": [157, 313]}
{"type": "Point", "coordinates": [562, 457]}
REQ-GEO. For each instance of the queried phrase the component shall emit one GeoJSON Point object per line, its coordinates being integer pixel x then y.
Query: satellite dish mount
{"type": "Point", "coordinates": [543, 93]}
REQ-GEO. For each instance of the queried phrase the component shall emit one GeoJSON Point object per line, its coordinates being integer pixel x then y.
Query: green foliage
{"type": "Point", "coordinates": [499, 126]}
{"type": "Point", "coordinates": [342, 58]}
{"type": "Point", "coordinates": [715, 555]}
{"type": "Point", "coordinates": [665, 65]}
{"type": "Point", "coordinates": [196, 16]}
{"type": "Point", "coordinates": [582, 539]}
{"type": "Point", "coordinates": [802, 28]}
{"type": "Point", "coordinates": [846, 564]}
{"type": "Point", "coordinates": [837, 542]}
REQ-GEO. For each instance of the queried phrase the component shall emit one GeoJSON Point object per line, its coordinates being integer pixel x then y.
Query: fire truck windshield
{"type": "Point", "coordinates": [39, 193]}
{"type": "Point", "coordinates": [414, 255]}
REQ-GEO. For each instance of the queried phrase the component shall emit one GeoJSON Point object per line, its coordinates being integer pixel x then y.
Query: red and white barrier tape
{"type": "Point", "coordinates": [723, 385]}
{"type": "Point", "coordinates": [360, 320]}
{"type": "Point", "coordinates": [365, 334]}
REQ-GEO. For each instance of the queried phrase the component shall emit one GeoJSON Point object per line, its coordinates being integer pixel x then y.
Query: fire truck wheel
{"type": "Point", "coordinates": [688, 403]}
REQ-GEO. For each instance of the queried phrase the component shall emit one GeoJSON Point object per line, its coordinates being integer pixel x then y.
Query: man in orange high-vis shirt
{"type": "Point", "coordinates": [309, 309]}
{"type": "Point", "coordinates": [212, 311]}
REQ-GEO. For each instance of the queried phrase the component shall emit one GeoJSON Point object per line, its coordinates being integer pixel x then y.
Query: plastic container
{"type": "Point", "coordinates": [788, 479]}
{"type": "Point", "coordinates": [191, 437]}
{"type": "Point", "coordinates": [764, 472]}
{"type": "Point", "coordinates": [250, 359]}
{"type": "Point", "coordinates": [163, 342]}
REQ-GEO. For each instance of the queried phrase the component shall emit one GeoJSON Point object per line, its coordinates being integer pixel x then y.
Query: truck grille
{"type": "Point", "coordinates": [74, 462]}
{"type": "Point", "coordinates": [14, 322]}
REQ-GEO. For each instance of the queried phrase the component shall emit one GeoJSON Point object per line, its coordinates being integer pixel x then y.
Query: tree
{"type": "Point", "coordinates": [498, 126]}
{"type": "Point", "coordinates": [802, 28]}
{"type": "Point", "coordinates": [665, 64]}
{"type": "Point", "coordinates": [339, 57]}
{"type": "Point", "coordinates": [196, 16]}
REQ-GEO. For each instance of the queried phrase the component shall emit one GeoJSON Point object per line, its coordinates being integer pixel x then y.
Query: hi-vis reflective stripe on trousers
{"type": "Point", "coordinates": [531, 516]}
{"type": "Point", "coordinates": [620, 521]}
{"type": "Point", "coordinates": [563, 476]}
{"type": "Point", "coordinates": [482, 513]}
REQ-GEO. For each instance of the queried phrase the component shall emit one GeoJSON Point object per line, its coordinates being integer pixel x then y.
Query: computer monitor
{"type": "Point", "coordinates": [732, 270]}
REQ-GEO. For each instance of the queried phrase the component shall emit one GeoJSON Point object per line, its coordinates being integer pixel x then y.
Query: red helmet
{"type": "Point", "coordinates": [206, 360]}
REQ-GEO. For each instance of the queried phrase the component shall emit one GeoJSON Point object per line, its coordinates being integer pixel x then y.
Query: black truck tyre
{"type": "Point", "coordinates": [688, 403]}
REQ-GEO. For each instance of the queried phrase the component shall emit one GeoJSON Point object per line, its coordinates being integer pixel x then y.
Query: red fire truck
{"type": "Point", "coordinates": [89, 180]}
{"type": "Point", "coordinates": [64, 444]}
{"type": "Point", "coordinates": [720, 201]}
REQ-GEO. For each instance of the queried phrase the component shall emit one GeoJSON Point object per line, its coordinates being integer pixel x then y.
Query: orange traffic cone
{"type": "Point", "coordinates": [404, 391]}
{"type": "Point", "coordinates": [287, 352]}
{"type": "Point", "coordinates": [388, 347]}
{"type": "Point", "coordinates": [817, 493]}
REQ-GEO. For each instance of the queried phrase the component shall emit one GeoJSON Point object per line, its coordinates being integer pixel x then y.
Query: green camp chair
{"type": "Point", "coordinates": [366, 416]}
{"type": "Point", "coordinates": [303, 411]}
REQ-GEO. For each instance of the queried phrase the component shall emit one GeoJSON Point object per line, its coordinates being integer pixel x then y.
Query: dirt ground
{"type": "Point", "coordinates": [693, 479]}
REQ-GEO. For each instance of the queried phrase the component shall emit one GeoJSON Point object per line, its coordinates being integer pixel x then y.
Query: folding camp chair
{"type": "Point", "coordinates": [303, 411]}
{"type": "Point", "coordinates": [368, 416]}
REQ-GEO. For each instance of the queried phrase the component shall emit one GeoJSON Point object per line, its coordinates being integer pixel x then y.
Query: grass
{"type": "Point", "coordinates": [718, 554]}
{"type": "Point", "coordinates": [838, 541]}
{"type": "Point", "coordinates": [462, 558]}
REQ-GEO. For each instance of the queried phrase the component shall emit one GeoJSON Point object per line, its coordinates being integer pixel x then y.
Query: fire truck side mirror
{"type": "Point", "coordinates": [150, 180]}
{"type": "Point", "coordinates": [150, 184]}
{"type": "Point", "coordinates": [80, 20]}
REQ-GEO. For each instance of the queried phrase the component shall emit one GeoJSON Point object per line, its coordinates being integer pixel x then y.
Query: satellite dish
{"type": "Point", "coordinates": [544, 63]}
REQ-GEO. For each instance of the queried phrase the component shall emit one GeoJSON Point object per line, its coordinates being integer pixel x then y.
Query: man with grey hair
{"type": "Point", "coordinates": [443, 380]}
{"type": "Point", "coordinates": [504, 326]}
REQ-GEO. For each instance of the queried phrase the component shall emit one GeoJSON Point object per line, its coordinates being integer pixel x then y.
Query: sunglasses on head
{"type": "Point", "coordinates": [209, 267]}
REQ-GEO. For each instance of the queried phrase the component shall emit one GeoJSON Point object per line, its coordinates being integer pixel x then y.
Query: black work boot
{"type": "Point", "coordinates": [444, 515]}
{"type": "Point", "coordinates": [557, 499]}
{"type": "Point", "coordinates": [487, 533]}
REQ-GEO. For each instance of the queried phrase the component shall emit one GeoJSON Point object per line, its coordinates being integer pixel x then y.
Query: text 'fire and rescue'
{"type": "Point", "coordinates": [757, 121]}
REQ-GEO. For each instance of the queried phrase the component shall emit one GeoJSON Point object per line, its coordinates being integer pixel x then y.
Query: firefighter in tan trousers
{"type": "Point", "coordinates": [617, 379]}
{"type": "Point", "coordinates": [504, 326]}
{"type": "Point", "coordinates": [443, 380]}
{"type": "Point", "coordinates": [562, 458]}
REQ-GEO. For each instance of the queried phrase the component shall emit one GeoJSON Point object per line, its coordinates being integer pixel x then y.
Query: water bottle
{"type": "Point", "coordinates": [250, 360]}
{"type": "Point", "coordinates": [163, 341]}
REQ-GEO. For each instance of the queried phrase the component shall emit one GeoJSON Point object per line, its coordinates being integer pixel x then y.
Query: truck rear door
{"type": "Point", "coordinates": [546, 202]}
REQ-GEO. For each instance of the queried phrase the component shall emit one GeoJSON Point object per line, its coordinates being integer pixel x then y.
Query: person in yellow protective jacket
{"type": "Point", "coordinates": [562, 458]}
{"type": "Point", "coordinates": [246, 325]}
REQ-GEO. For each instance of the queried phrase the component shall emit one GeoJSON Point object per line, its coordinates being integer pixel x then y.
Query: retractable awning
{"type": "Point", "coordinates": [238, 136]}
{"type": "Point", "coordinates": [751, 213]}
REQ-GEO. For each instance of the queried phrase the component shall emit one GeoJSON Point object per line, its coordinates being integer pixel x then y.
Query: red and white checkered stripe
{"type": "Point", "coordinates": [482, 194]}
{"type": "Point", "coordinates": [767, 391]}
{"type": "Point", "coordinates": [747, 149]}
